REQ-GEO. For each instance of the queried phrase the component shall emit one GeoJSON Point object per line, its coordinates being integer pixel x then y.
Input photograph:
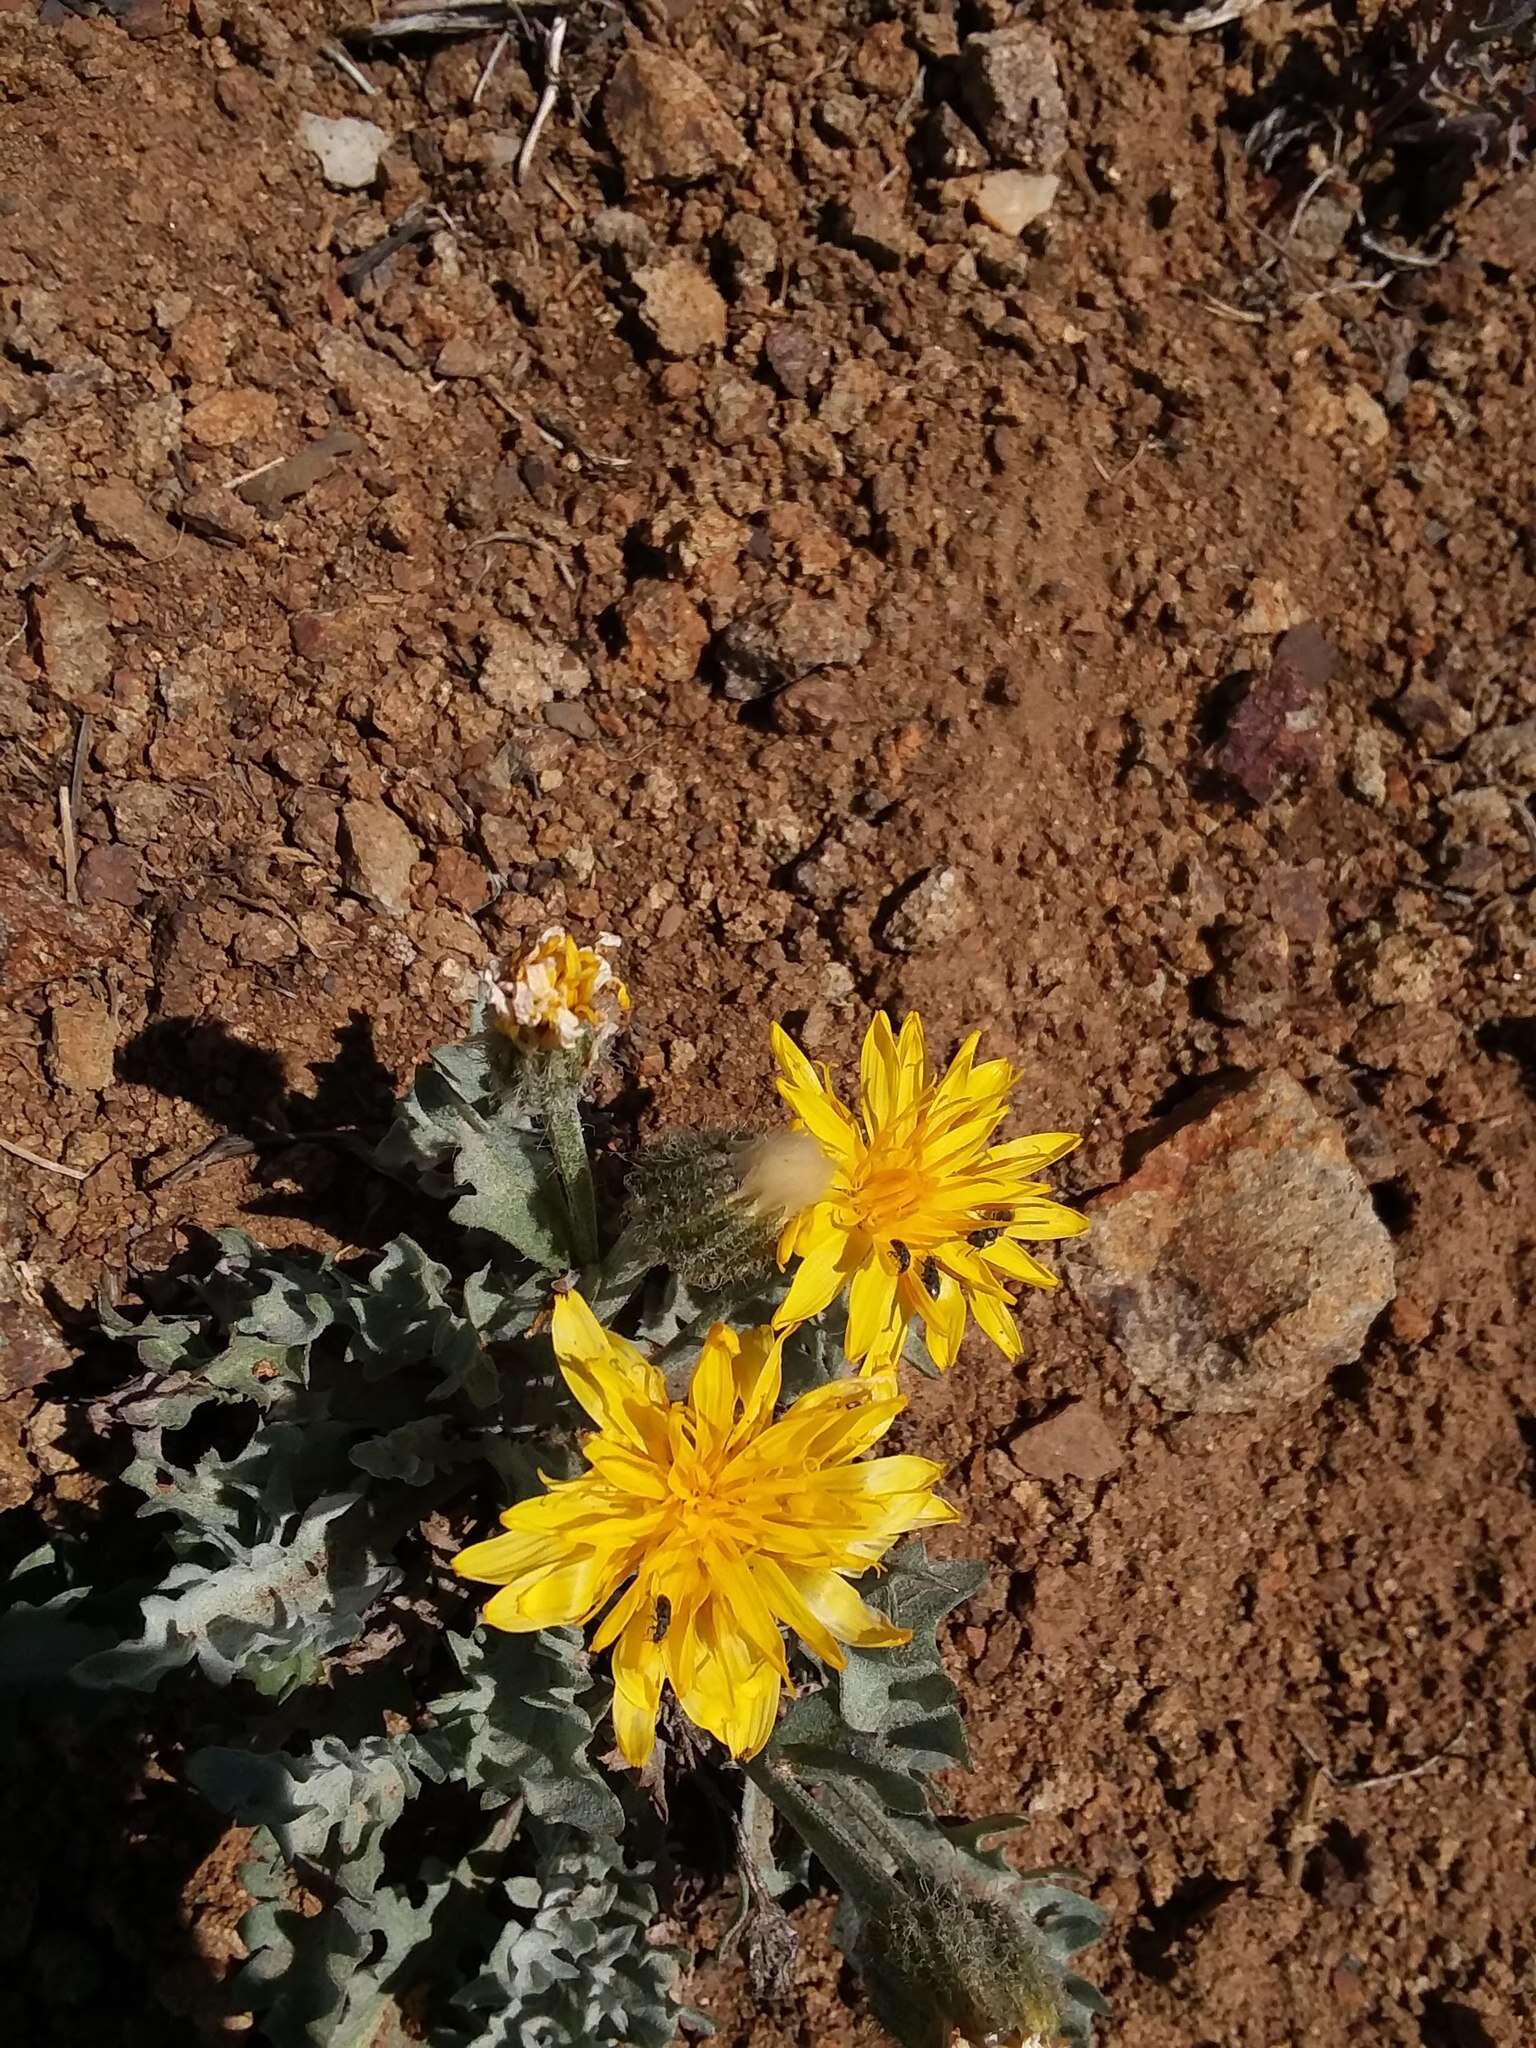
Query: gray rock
{"type": "Point", "coordinates": [949, 148]}
{"type": "Point", "coordinates": [1011, 88]}
{"type": "Point", "coordinates": [624, 237]}
{"type": "Point", "coordinates": [785, 636]}
{"type": "Point", "coordinates": [1505, 753]}
{"type": "Point", "coordinates": [1243, 1261]}
{"type": "Point", "coordinates": [378, 852]}
{"type": "Point", "coordinates": [752, 249]}
{"type": "Point", "coordinates": [520, 673]}
{"type": "Point", "coordinates": [931, 910]}
{"type": "Point", "coordinates": [874, 224]}
{"type": "Point", "coordinates": [1252, 979]}
{"type": "Point", "coordinates": [347, 150]}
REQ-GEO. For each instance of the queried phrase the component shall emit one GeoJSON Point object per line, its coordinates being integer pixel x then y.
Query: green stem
{"type": "Point", "coordinates": [562, 1123]}
{"type": "Point", "coordinates": [823, 1830]}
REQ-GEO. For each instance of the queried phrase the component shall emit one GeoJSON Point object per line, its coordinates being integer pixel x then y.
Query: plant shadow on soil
{"type": "Point", "coordinates": [304, 1141]}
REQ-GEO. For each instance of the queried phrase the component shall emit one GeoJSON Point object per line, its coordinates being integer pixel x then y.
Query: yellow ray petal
{"type": "Point", "coordinates": [943, 1317]}
{"type": "Point", "coordinates": [1035, 1153]}
{"type": "Point", "coordinates": [758, 1378]}
{"type": "Point", "coordinates": [911, 1063]}
{"type": "Point", "coordinates": [795, 1611]}
{"type": "Point", "coordinates": [993, 1317]}
{"type": "Point", "coordinates": [1037, 1220]}
{"type": "Point", "coordinates": [1007, 1257]}
{"type": "Point", "coordinates": [712, 1394]}
{"type": "Point", "coordinates": [818, 1280]}
{"type": "Point", "coordinates": [618, 1617]}
{"type": "Point", "coordinates": [638, 1667]}
{"type": "Point", "coordinates": [558, 1596]}
{"type": "Point", "coordinates": [840, 1609]}
{"type": "Point", "coordinates": [871, 1307]}
{"type": "Point", "coordinates": [877, 1073]}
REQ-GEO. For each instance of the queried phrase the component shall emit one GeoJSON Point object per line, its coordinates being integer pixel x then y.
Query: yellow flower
{"type": "Point", "coordinates": [925, 1217]}
{"type": "Point", "coordinates": [558, 993]}
{"type": "Point", "coordinates": [719, 1522]}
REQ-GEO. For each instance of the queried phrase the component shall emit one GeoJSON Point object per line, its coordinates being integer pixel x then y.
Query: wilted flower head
{"type": "Point", "coordinates": [559, 996]}
{"type": "Point", "coordinates": [714, 1523]}
{"type": "Point", "coordinates": [924, 1218]}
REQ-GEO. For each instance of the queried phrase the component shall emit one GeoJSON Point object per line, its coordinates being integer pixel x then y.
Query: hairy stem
{"type": "Point", "coordinates": [562, 1124]}
{"type": "Point", "coordinates": [823, 1829]}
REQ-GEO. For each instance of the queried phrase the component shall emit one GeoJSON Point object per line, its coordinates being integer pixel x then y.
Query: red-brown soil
{"type": "Point", "coordinates": [1074, 498]}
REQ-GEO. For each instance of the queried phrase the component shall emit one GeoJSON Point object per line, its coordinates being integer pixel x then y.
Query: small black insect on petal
{"type": "Point", "coordinates": [663, 1618]}
{"type": "Point", "coordinates": [982, 1238]}
{"type": "Point", "coordinates": [932, 1277]}
{"type": "Point", "coordinates": [900, 1254]}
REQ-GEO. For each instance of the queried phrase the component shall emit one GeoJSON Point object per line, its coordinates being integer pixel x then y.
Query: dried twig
{"type": "Point", "coordinates": [1446, 1753]}
{"type": "Point", "coordinates": [1302, 1833]}
{"type": "Point", "coordinates": [343, 63]}
{"type": "Point", "coordinates": [77, 770]}
{"type": "Point", "coordinates": [43, 1165]}
{"type": "Point", "coordinates": [1202, 18]}
{"type": "Point", "coordinates": [1301, 1836]}
{"type": "Point", "coordinates": [71, 851]}
{"type": "Point", "coordinates": [553, 46]}
{"type": "Point", "coordinates": [447, 18]}
{"type": "Point", "coordinates": [490, 67]}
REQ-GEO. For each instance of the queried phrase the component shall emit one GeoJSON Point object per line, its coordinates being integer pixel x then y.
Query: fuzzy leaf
{"type": "Point", "coordinates": [415, 1453]}
{"type": "Point", "coordinates": [891, 1715]}
{"type": "Point", "coordinates": [503, 1169]}
{"type": "Point", "coordinates": [518, 1729]}
{"type": "Point", "coordinates": [421, 1143]}
{"type": "Point", "coordinates": [327, 1980]}
{"type": "Point", "coordinates": [581, 1971]}
{"type": "Point", "coordinates": [42, 1635]}
{"type": "Point", "coordinates": [254, 1614]}
{"type": "Point", "coordinates": [328, 1810]}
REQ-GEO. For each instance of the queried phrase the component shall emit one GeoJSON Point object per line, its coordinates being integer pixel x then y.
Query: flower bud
{"type": "Point", "coordinates": [940, 1955]}
{"type": "Point", "coordinates": [711, 1204]}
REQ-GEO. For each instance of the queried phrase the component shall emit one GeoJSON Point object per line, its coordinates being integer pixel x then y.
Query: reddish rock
{"type": "Point", "coordinates": [82, 1049]}
{"type": "Point", "coordinates": [1243, 1261]}
{"type": "Point", "coordinates": [120, 517]}
{"type": "Point", "coordinates": [459, 879]}
{"type": "Point", "coordinates": [112, 874]}
{"type": "Point", "coordinates": [820, 704]}
{"type": "Point", "coordinates": [1275, 735]}
{"type": "Point", "coordinates": [665, 633]}
{"type": "Point", "coordinates": [885, 63]}
{"type": "Point", "coordinates": [378, 853]}
{"type": "Point", "coordinates": [72, 639]}
{"type": "Point", "coordinates": [1075, 1443]}
{"type": "Point", "coordinates": [680, 307]}
{"type": "Point", "coordinates": [30, 1345]}
{"type": "Point", "coordinates": [233, 419]}
{"type": "Point", "coordinates": [42, 936]}
{"type": "Point", "coordinates": [798, 360]}
{"type": "Point", "coordinates": [664, 122]}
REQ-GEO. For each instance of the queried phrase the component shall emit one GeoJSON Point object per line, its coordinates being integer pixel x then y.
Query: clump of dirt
{"type": "Point", "coordinates": [761, 533]}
